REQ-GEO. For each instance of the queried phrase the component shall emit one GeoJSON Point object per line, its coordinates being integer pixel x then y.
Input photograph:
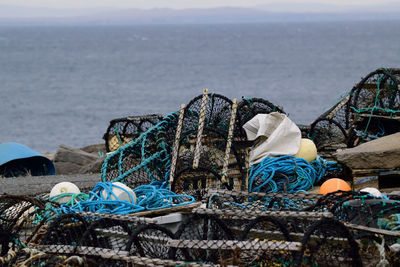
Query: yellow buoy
{"type": "Point", "coordinates": [122, 192]}
{"type": "Point", "coordinates": [333, 185]}
{"type": "Point", "coordinates": [307, 150]}
{"type": "Point", "coordinates": [62, 188]}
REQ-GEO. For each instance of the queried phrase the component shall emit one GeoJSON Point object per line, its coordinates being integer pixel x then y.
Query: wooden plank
{"type": "Point", "coordinates": [238, 193]}
{"type": "Point", "coordinates": [364, 172]}
{"type": "Point", "coordinates": [269, 235]}
{"type": "Point", "coordinates": [127, 217]}
{"type": "Point", "coordinates": [368, 114]}
{"type": "Point", "coordinates": [241, 214]}
{"type": "Point", "coordinates": [389, 190]}
{"type": "Point", "coordinates": [111, 254]}
{"type": "Point", "coordinates": [338, 106]}
{"type": "Point", "coordinates": [373, 86]}
{"type": "Point", "coordinates": [362, 182]}
{"type": "Point", "coordinates": [80, 250]}
{"type": "Point", "coordinates": [373, 230]}
{"type": "Point", "coordinates": [235, 244]}
{"type": "Point", "coordinates": [184, 208]}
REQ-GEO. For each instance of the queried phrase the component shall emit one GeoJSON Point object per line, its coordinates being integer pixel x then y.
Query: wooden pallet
{"type": "Point", "coordinates": [386, 180]}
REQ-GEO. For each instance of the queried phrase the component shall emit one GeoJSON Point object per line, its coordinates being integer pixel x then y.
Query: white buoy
{"type": "Point", "coordinates": [122, 193]}
{"type": "Point", "coordinates": [372, 191]}
{"type": "Point", "coordinates": [62, 188]}
{"type": "Point", "coordinates": [307, 150]}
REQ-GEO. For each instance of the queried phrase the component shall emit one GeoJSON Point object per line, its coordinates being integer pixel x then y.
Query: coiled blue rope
{"type": "Point", "coordinates": [103, 200]}
{"type": "Point", "coordinates": [148, 197]}
{"type": "Point", "coordinates": [154, 196]}
{"type": "Point", "coordinates": [287, 174]}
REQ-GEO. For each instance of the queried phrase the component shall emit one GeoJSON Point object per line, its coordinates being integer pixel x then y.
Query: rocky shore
{"type": "Point", "coordinates": [84, 160]}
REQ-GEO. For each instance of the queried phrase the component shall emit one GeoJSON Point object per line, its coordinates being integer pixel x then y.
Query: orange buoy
{"type": "Point", "coordinates": [333, 185]}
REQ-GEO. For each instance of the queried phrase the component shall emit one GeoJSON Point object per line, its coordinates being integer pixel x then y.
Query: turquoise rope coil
{"type": "Point", "coordinates": [392, 223]}
{"type": "Point", "coordinates": [103, 200]}
{"type": "Point", "coordinates": [153, 197]}
{"type": "Point", "coordinates": [287, 174]}
{"type": "Point", "coordinates": [74, 198]}
{"type": "Point", "coordinates": [148, 197]}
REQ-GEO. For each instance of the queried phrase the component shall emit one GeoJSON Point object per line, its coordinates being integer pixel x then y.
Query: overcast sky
{"type": "Point", "coordinates": [177, 4]}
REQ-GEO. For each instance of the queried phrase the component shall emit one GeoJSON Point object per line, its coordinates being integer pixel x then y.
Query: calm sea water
{"type": "Point", "coordinates": [62, 85]}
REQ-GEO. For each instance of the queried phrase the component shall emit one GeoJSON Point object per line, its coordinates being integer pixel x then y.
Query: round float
{"type": "Point", "coordinates": [307, 150]}
{"type": "Point", "coordinates": [333, 185]}
{"type": "Point", "coordinates": [372, 191]}
{"type": "Point", "coordinates": [64, 188]}
{"type": "Point", "coordinates": [121, 191]}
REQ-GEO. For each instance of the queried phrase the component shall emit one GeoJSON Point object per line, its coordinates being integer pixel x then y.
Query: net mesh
{"type": "Point", "coordinates": [145, 159]}
{"type": "Point", "coordinates": [123, 130]}
{"type": "Point", "coordinates": [369, 111]}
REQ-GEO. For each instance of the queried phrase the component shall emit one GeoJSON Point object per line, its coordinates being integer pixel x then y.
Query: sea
{"type": "Point", "coordinates": [63, 84]}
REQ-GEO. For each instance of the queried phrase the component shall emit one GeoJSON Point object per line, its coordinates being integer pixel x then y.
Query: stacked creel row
{"type": "Point", "coordinates": [229, 228]}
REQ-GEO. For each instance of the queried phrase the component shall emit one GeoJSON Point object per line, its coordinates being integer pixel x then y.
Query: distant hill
{"type": "Point", "coordinates": [269, 13]}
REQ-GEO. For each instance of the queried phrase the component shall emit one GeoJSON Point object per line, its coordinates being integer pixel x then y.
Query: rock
{"type": "Point", "coordinates": [76, 156]}
{"type": "Point", "coordinates": [69, 160]}
{"type": "Point", "coordinates": [66, 168]}
{"type": "Point", "coordinates": [93, 167]}
{"type": "Point", "coordinates": [382, 153]}
{"type": "Point", "coordinates": [96, 148]}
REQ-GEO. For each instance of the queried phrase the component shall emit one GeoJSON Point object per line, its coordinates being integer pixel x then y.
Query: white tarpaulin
{"type": "Point", "coordinates": [275, 135]}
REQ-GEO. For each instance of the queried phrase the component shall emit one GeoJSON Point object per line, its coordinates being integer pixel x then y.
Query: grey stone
{"type": "Point", "coordinates": [96, 148]}
{"type": "Point", "coordinates": [93, 167]}
{"type": "Point", "coordinates": [382, 153]}
{"type": "Point", "coordinates": [76, 156]}
{"type": "Point", "coordinates": [67, 168]}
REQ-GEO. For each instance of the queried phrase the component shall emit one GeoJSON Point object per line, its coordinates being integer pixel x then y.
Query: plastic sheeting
{"type": "Point", "coordinates": [274, 134]}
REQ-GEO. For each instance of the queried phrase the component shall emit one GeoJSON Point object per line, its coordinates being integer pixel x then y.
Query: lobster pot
{"type": "Point", "coordinates": [146, 158]}
{"type": "Point", "coordinates": [369, 111]}
{"type": "Point", "coordinates": [286, 210]}
{"type": "Point", "coordinates": [264, 237]}
{"type": "Point", "coordinates": [123, 130]}
{"type": "Point", "coordinates": [375, 106]}
{"type": "Point", "coordinates": [192, 180]}
{"type": "Point", "coordinates": [20, 217]}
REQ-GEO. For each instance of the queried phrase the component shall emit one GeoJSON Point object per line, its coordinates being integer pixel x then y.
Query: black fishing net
{"type": "Point", "coordinates": [20, 218]}
{"type": "Point", "coordinates": [208, 172]}
{"type": "Point", "coordinates": [202, 227]}
{"type": "Point", "coordinates": [369, 111]}
{"type": "Point", "coordinates": [217, 113]}
{"type": "Point", "coordinates": [328, 243]}
{"type": "Point", "coordinates": [375, 105]}
{"type": "Point", "coordinates": [122, 130]}
{"type": "Point", "coordinates": [268, 229]}
{"type": "Point", "coordinates": [151, 241]}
